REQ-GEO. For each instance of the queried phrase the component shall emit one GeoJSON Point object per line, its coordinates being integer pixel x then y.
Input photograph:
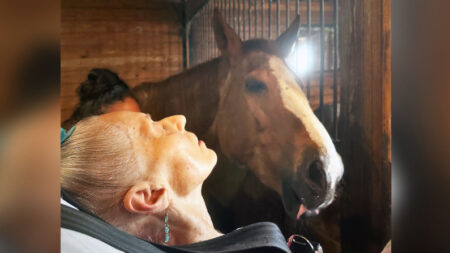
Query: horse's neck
{"type": "Point", "coordinates": [193, 93]}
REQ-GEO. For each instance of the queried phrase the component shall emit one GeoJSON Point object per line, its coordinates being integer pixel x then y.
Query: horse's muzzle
{"type": "Point", "coordinates": [309, 187]}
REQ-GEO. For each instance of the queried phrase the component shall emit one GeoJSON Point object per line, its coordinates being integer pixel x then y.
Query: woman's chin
{"type": "Point", "coordinates": [213, 161]}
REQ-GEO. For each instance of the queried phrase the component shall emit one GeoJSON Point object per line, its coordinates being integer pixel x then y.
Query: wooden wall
{"type": "Point", "coordinates": [365, 124]}
{"type": "Point", "coordinates": [139, 39]}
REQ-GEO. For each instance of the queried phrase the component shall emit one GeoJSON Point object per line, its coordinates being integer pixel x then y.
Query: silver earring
{"type": "Point", "coordinates": [166, 227]}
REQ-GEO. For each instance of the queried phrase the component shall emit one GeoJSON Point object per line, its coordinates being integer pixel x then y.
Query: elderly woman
{"type": "Point", "coordinates": [137, 174]}
{"type": "Point", "coordinates": [125, 176]}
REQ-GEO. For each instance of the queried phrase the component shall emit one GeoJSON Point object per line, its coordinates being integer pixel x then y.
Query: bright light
{"type": "Point", "coordinates": [301, 59]}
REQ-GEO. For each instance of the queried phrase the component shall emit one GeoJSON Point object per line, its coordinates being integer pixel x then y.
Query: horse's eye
{"type": "Point", "coordinates": [255, 86]}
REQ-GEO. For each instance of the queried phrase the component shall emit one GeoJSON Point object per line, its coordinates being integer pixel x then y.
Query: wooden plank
{"type": "Point", "coordinates": [365, 124]}
{"type": "Point", "coordinates": [138, 39]}
{"type": "Point", "coordinates": [101, 14]}
{"type": "Point", "coordinates": [120, 4]}
{"type": "Point", "coordinates": [108, 27]}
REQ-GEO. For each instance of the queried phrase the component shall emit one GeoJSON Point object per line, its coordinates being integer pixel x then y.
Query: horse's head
{"type": "Point", "coordinates": [265, 122]}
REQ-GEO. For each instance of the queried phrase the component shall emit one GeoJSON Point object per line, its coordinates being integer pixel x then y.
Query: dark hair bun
{"type": "Point", "coordinates": [100, 82]}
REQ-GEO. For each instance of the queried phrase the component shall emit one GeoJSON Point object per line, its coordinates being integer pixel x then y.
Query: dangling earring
{"type": "Point", "coordinates": [166, 228]}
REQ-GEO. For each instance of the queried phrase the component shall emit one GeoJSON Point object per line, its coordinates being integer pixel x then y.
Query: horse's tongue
{"type": "Point", "coordinates": [301, 211]}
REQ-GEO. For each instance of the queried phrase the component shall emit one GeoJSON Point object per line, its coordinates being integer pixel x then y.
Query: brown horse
{"type": "Point", "coordinates": [275, 157]}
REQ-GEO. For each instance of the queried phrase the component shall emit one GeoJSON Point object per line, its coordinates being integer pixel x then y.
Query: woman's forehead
{"type": "Point", "coordinates": [137, 124]}
{"type": "Point", "coordinates": [124, 116]}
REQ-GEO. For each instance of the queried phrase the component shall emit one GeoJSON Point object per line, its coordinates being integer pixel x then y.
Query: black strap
{"type": "Point", "coordinates": [258, 237]}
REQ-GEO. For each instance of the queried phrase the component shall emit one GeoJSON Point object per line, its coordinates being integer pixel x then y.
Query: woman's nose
{"type": "Point", "coordinates": [177, 122]}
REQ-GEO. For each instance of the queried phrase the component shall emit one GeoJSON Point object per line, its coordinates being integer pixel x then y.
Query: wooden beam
{"type": "Point", "coordinates": [365, 132]}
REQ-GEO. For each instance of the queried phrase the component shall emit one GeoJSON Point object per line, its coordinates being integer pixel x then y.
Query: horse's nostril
{"type": "Point", "coordinates": [316, 174]}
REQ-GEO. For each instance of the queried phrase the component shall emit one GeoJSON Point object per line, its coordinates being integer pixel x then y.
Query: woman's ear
{"type": "Point", "coordinates": [143, 198]}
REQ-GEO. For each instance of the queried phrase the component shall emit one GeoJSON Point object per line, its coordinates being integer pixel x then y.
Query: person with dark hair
{"type": "Point", "coordinates": [102, 92]}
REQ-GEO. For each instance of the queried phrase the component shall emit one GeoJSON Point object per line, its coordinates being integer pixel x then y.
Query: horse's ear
{"type": "Point", "coordinates": [287, 40]}
{"type": "Point", "coordinates": [227, 40]}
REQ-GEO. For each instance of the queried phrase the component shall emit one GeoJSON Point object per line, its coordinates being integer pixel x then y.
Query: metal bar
{"type": "Point", "coordinates": [335, 67]}
{"type": "Point", "coordinates": [249, 19]}
{"type": "Point", "coordinates": [243, 19]}
{"type": "Point", "coordinates": [214, 49]}
{"type": "Point", "coordinates": [239, 17]}
{"type": "Point", "coordinates": [202, 39]}
{"type": "Point", "coordinates": [229, 11]}
{"type": "Point", "coordinates": [297, 7]}
{"type": "Point", "coordinates": [205, 36]}
{"type": "Point", "coordinates": [210, 44]}
{"type": "Point", "coordinates": [198, 39]}
{"type": "Point", "coordinates": [262, 18]}
{"type": "Point", "coordinates": [255, 3]}
{"type": "Point", "coordinates": [205, 27]}
{"type": "Point", "coordinates": [214, 41]}
{"type": "Point", "coordinates": [322, 58]}
{"type": "Point", "coordinates": [287, 14]}
{"type": "Point", "coordinates": [224, 9]}
{"type": "Point", "coordinates": [308, 23]}
{"type": "Point", "coordinates": [185, 38]}
{"type": "Point", "coordinates": [270, 19]}
{"type": "Point", "coordinates": [278, 17]}
{"type": "Point", "coordinates": [190, 50]}
{"type": "Point", "coordinates": [208, 24]}
{"type": "Point", "coordinates": [206, 15]}
{"type": "Point", "coordinates": [234, 14]}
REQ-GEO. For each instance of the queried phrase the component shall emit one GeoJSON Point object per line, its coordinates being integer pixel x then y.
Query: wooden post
{"type": "Point", "coordinates": [365, 69]}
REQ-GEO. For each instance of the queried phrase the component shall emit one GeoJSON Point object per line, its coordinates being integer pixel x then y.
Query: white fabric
{"type": "Point", "coordinates": [67, 204]}
{"type": "Point", "coordinates": [74, 242]}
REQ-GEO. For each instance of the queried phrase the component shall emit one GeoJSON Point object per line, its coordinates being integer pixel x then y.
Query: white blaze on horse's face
{"type": "Point", "coordinates": [319, 153]}
{"type": "Point", "coordinates": [276, 134]}
{"type": "Point", "coordinates": [265, 122]}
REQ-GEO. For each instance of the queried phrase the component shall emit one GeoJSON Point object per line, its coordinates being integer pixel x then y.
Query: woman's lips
{"type": "Point", "coordinates": [200, 142]}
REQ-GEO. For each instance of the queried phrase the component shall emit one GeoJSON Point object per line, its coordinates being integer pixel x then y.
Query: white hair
{"type": "Point", "coordinates": [98, 164]}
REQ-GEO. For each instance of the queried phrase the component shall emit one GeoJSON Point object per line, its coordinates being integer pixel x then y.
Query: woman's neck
{"type": "Point", "coordinates": [188, 221]}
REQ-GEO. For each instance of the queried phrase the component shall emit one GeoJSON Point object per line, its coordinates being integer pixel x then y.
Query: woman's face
{"type": "Point", "coordinates": [168, 152]}
{"type": "Point", "coordinates": [128, 104]}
